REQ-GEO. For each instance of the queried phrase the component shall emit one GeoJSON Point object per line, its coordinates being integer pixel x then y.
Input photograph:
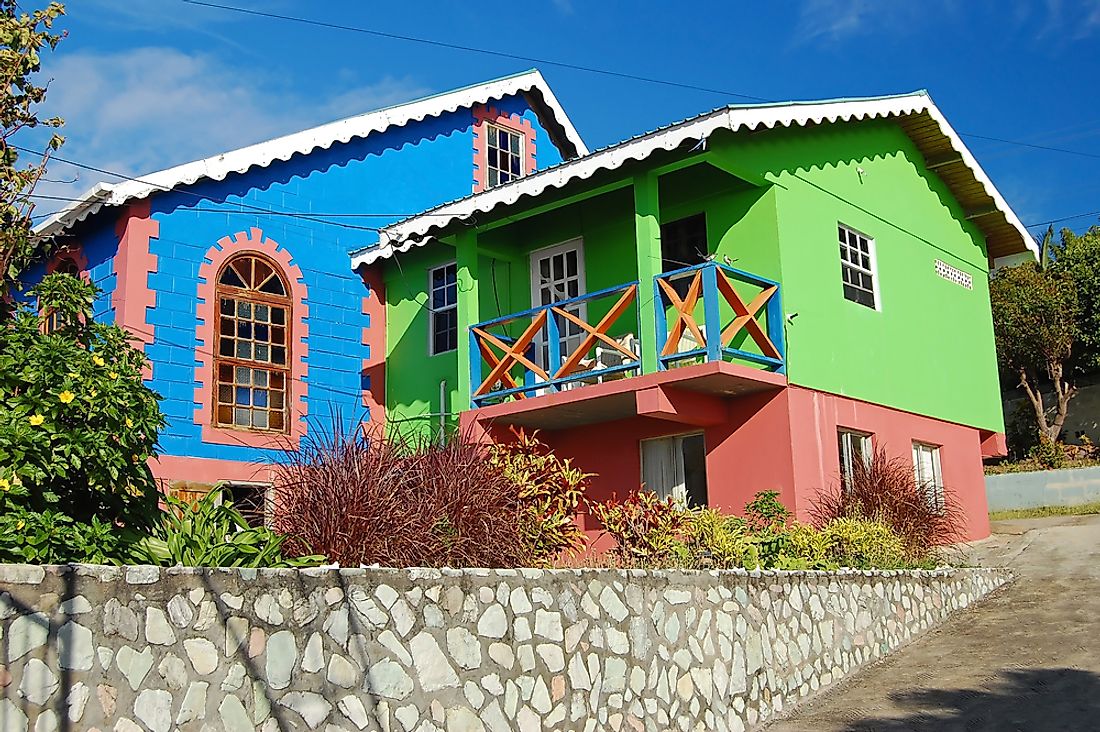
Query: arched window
{"type": "Point", "coordinates": [251, 372]}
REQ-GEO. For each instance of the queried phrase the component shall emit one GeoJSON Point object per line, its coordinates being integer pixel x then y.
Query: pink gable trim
{"type": "Point", "coordinates": [374, 336]}
{"type": "Point", "coordinates": [133, 263]}
{"type": "Point", "coordinates": [514, 122]}
{"type": "Point", "coordinates": [249, 241]}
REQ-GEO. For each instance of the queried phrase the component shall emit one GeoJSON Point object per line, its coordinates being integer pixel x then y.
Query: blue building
{"type": "Point", "coordinates": [234, 271]}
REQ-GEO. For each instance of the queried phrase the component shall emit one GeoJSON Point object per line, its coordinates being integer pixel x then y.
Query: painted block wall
{"type": "Point", "coordinates": [97, 244]}
{"type": "Point", "coordinates": [399, 172]}
{"type": "Point", "coordinates": [929, 349]}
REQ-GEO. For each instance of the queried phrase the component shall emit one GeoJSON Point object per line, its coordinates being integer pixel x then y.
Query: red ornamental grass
{"type": "Point", "coordinates": [361, 497]}
{"type": "Point", "coordinates": [885, 489]}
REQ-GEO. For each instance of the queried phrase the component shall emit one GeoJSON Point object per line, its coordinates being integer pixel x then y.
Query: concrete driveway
{"type": "Point", "coordinates": [1028, 658]}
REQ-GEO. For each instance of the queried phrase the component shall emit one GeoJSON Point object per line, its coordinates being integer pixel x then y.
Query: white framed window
{"type": "Point", "coordinates": [858, 267]}
{"type": "Point", "coordinates": [676, 467]}
{"type": "Point", "coordinates": [443, 308]}
{"type": "Point", "coordinates": [854, 448]}
{"type": "Point", "coordinates": [926, 471]}
{"type": "Point", "coordinates": [557, 274]}
{"type": "Point", "coordinates": [504, 154]}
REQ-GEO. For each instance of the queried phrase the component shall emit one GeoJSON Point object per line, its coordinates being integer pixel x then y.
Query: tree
{"type": "Point", "coordinates": [1035, 318]}
{"type": "Point", "coordinates": [77, 428]}
{"type": "Point", "coordinates": [22, 39]}
{"type": "Point", "coordinates": [1078, 258]}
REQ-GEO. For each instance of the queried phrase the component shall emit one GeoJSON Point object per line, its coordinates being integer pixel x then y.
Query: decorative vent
{"type": "Point", "coordinates": [949, 273]}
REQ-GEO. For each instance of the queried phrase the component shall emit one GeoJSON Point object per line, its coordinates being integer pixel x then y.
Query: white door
{"type": "Point", "coordinates": [557, 274]}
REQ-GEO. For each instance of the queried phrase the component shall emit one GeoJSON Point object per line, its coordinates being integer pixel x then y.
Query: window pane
{"type": "Point", "coordinates": [262, 352]}
{"type": "Point", "coordinates": [259, 377]}
{"type": "Point", "coordinates": [240, 417]}
{"type": "Point", "coordinates": [227, 326]}
{"type": "Point", "coordinates": [242, 396]}
{"type": "Point", "coordinates": [259, 398]}
{"type": "Point", "coordinates": [244, 309]}
{"type": "Point", "coordinates": [278, 316]}
{"type": "Point", "coordinates": [262, 313]}
{"type": "Point", "coordinates": [226, 347]}
{"type": "Point", "coordinates": [276, 420]}
{"type": "Point", "coordinates": [278, 354]}
{"type": "Point", "coordinates": [262, 332]}
{"type": "Point", "coordinates": [244, 375]}
{"type": "Point", "coordinates": [259, 419]}
{"type": "Point", "coordinates": [278, 335]}
{"type": "Point", "coordinates": [244, 329]}
{"type": "Point", "coordinates": [225, 394]}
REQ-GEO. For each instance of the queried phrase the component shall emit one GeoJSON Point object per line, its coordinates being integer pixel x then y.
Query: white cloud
{"type": "Point", "coordinates": [144, 109]}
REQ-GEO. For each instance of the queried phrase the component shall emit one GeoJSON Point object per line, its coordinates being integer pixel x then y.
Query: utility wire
{"type": "Point", "coordinates": [564, 65]}
{"type": "Point", "coordinates": [473, 49]}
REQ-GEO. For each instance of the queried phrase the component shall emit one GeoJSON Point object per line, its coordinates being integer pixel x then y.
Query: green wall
{"type": "Point", "coordinates": [928, 349]}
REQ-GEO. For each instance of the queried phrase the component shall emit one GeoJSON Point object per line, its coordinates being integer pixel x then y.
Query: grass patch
{"type": "Point", "coordinates": [1044, 511]}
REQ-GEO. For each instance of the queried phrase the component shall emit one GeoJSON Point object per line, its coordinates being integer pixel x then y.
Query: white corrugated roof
{"type": "Point", "coordinates": [306, 141]}
{"type": "Point", "coordinates": [922, 121]}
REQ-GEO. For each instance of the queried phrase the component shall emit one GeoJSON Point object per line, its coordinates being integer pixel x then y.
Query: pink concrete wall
{"type": "Point", "coordinates": [815, 417]}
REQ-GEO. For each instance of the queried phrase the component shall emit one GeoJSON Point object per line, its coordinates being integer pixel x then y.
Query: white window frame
{"type": "Point", "coordinates": [490, 129]}
{"type": "Point", "coordinates": [432, 309]}
{"type": "Point", "coordinates": [576, 244]}
{"type": "Point", "coordinates": [845, 438]}
{"type": "Point", "coordinates": [675, 443]}
{"type": "Point", "coordinates": [934, 481]}
{"type": "Point", "coordinates": [871, 271]}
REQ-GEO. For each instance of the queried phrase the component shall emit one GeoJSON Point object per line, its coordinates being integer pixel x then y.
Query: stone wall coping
{"type": "Point", "coordinates": [148, 574]}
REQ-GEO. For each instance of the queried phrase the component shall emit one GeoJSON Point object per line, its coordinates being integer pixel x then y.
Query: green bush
{"type": "Point", "coordinates": [550, 492]}
{"type": "Point", "coordinates": [212, 533]}
{"type": "Point", "coordinates": [863, 544]}
{"type": "Point", "coordinates": [77, 428]}
{"type": "Point", "coordinates": [1049, 453]}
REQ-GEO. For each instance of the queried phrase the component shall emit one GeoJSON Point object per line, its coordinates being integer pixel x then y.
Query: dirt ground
{"type": "Point", "coordinates": [1027, 658]}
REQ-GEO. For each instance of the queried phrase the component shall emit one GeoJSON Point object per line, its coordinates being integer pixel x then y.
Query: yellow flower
{"type": "Point", "coordinates": [113, 374]}
{"type": "Point", "coordinates": [20, 524]}
{"type": "Point", "coordinates": [129, 422]}
{"type": "Point", "coordinates": [5, 484]}
{"type": "Point", "coordinates": [36, 419]}
{"type": "Point", "coordinates": [98, 361]}
{"type": "Point", "coordinates": [66, 396]}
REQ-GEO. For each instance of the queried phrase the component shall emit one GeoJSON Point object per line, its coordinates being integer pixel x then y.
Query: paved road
{"type": "Point", "coordinates": [1026, 659]}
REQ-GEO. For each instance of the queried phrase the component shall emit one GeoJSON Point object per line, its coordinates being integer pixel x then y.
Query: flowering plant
{"type": "Point", "coordinates": [77, 427]}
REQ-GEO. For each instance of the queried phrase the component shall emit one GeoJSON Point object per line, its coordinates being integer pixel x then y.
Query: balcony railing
{"type": "Point", "coordinates": [728, 322]}
{"type": "Point", "coordinates": [701, 315]}
{"type": "Point", "coordinates": [554, 347]}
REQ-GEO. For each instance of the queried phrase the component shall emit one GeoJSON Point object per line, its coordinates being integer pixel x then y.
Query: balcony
{"type": "Point", "coordinates": [596, 345]}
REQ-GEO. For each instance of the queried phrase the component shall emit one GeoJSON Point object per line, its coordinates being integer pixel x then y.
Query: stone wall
{"type": "Point", "coordinates": [139, 648]}
{"type": "Point", "coordinates": [1070, 487]}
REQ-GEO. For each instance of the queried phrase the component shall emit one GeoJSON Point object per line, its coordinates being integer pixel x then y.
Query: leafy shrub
{"type": "Point", "coordinates": [77, 427]}
{"type": "Point", "coordinates": [885, 490]}
{"type": "Point", "coordinates": [645, 528]}
{"type": "Point", "coordinates": [807, 548]}
{"type": "Point", "coordinates": [550, 491]}
{"type": "Point", "coordinates": [714, 539]}
{"type": "Point", "coordinates": [1050, 454]}
{"type": "Point", "coordinates": [212, 533]}
{"type": "Point", "coordinates": [863, 544]}
{"type": "Point", "coordinates": [766, 512]}
{"type": "Point", "coordinates": [362, 497]}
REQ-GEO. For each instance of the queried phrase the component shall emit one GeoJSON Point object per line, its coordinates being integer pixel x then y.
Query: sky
{"type": "Point", "coordinates": [146, 84]}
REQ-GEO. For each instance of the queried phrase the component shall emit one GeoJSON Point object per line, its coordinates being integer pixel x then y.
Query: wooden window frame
{"type": "Point", "coordinates": [253, 296]}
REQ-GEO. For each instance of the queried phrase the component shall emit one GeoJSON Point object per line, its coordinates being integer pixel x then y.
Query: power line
{"type": "Point", "coordinates": [473, 49]}
{"type": "Point", "coordinates": [566, 65]}
{"type": "Point", "coordinates": [165, 189]}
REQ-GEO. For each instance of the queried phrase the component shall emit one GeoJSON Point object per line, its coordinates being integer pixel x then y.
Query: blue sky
{"type": "Point", "coordinates": [145, 84]}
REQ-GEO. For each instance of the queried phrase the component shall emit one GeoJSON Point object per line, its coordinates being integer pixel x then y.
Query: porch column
{"type": "Point", "coordinates": [647, 232]}
{"type": "Point", "coordinates": [469, 314]}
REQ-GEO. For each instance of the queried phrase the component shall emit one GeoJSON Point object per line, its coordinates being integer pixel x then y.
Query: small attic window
{"type": "Point", "coordinates": [504, 155]}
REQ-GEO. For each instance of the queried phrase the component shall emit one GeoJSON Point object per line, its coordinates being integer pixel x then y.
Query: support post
{"type": "Point", "coordinates": [647, 231]}
{"type": "Point", "coordinates": [469, 315]}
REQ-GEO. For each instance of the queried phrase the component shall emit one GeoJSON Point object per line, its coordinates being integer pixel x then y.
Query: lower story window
{"type": "Point", "coordinates": [855, 450]}
{"type": "Point", "coordinates": [676, 467]}
{"type": "Point", "coordinates": [926, 471]}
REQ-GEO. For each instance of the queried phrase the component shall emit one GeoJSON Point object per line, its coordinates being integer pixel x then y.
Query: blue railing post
{"type": "Point", "coordinates": [661, 324]}
{"type": "Point", "coordinates": [553, 346]}
{"type": "Point", "coordinates": [475, 367]}
{"type": "Point", "coordinates": [776, 330]}
{"type": "Point", "coordinates": [711, 320]}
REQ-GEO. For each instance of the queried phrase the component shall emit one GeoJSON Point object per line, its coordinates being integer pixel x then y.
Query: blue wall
{"type": "Point", "coordinates": [400, 172]}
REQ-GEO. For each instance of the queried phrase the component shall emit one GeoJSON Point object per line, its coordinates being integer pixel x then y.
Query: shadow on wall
{"type": "Point", "coordinates": [1034, 699]}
